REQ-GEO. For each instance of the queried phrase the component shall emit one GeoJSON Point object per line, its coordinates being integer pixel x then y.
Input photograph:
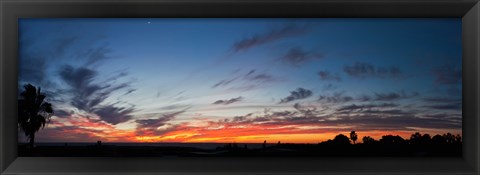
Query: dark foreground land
{"type": "Point", "coordinates": [238, 150]}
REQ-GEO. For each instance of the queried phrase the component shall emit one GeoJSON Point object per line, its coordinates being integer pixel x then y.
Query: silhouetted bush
{"type": "Point", "coordinates": [391, 140]}
{"type": "Point", "coordinates": [341, 140]}
{"type": "Point", "coordinates": [368, 140]}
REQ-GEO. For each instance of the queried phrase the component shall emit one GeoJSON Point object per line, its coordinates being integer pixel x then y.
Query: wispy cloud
{"type": "Point", "coordinates": [79, 128]}
{"type": "Point", "coordinates": [298, 94]}
{"type": "Point", "coordinates": [270, 36]}
{"type": "Point", "coordinates": [336, 97]}
{"type": "Point", "coordinates": [367, 70]}
{"type": "Point", "coordinates": [152, 126]}
{"type": "Point", "coordinates": [329, 87]}
{"type": "Point", "coordinates": [342, 97]}
{"type": "Point", "coordinates": [229, 101]}
{"type": "Point", "coordinates": [61, 113]}
{"type": "Point", "coordinates": [443, 103]}
{"type": "Point", "coordinates": [327, 76]}
{"type": "Point", "coordinates": [243, 88]}
{"type": "Point", "coordinates": [174, 106]}
{"type": "Point", "coordinates": [88, 95]}
{"type": "Point", "coordinates": [451, 106]}
{"type": "Point", "coordinates": [96, 54]}
{"type": "Point", "coordinates": [307, 111]}
{"type": "Point", "coordinates": [34, 63]}
{"type": "Point", "coordinates": [114, 115]}
{"type": "Point", "coordinates": [448, 74]}
{"type": "Point", "coordinates": [155, 123]}
{"type": "Point", "coordinates": [259, 77]}
{"type": "Point", "coordinates": [441, 99]}
{"type": "Point", "coordinates": [61, 45]}
{"type": "Point", "coordinates": [296, 56]}
{"type": "Point", "coordinates": [246, 82]}
{"type": "Point", "coordinates": [364, 98]}
{"type": "Point", "coordinates": [85, 90]}
{"type": "Point", "coordinates": [224, 82]}
{"type": "Point", "coordinates": [309, 120]}
{"type": "Point", "coordinates": [354, 107]}
{"type": "Point", "coordinates": [397, 122]}
{"type": "Point", "coordinates": [32, 68]}
{"type": "Point", "coordinates": [394, 96]}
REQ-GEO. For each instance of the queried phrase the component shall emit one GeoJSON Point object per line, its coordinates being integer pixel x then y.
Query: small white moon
{"type": "Point", "coordinates": [148, 22]}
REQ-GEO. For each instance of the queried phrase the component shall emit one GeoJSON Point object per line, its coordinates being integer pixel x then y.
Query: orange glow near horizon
{"type": "Point", "coordinates": [253, 136]}
{"type": "Point", "coordinates": [80, 129]}
{"type": "Point", "coordinates": [238, 135]}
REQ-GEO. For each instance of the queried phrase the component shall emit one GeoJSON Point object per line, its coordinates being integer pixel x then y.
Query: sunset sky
{"type": "Point", "coordinates": [243, 80]}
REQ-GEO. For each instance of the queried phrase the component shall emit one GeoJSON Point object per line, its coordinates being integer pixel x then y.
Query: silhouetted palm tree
{"type": "Point", "coordinates": [353, 136]}
{"type": "Point", "coordinates": [33, 112]}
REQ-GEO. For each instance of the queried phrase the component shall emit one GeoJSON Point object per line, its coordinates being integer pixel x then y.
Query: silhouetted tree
{"type": "Point", "coordinates": [419, 139]}
{"type": "Point", "coordinates": [458, 138]}
{"type": "Point", "coordinates": [426, 139]}
{"type": "Point", "coordinates": [341, 140]}
{"type": "Point", "coordinates": [449, 138]}
{"type": "Point", "coordinates": [416, 138]}
{"type": "Point", "coordinates": [438, 140]}
{"type": "Point", "coordinates": [353, 136]}
{"type": "Point", "coordinates": [33, 112]}
{"type": "Point", "coordinates": [390, 139]}
{"type": "Point", "coordinates": [368, 140]}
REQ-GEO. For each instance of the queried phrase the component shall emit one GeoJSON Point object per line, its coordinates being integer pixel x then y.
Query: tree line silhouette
{"type": "Point", "coordinates": [415, 139]}
{"type": "Point", "coordinates": [341, 145]}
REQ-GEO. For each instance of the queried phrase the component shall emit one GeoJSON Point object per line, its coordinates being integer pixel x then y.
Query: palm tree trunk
{"type": "Point", "coordinates": [32, 139]}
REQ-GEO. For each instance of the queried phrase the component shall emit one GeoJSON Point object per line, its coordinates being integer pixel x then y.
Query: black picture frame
{"type": "Point", "coordinates": [11, 10]}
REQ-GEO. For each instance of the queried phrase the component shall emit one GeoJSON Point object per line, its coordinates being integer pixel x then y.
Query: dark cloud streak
{"type": "Point", "coordinates": [448, 74]}
{"type": "Point", "coordinates": [150, 126]}
{"type": "Point", "coordinates": [327, 76]}
{"type": "Point", "coordinates": [337, 97]}
{"type": "Point", "coordinates": [298, 94]}
{"type": "Point", "coordinates": [269, 37]}
{"type": "Point", "coordinates": [353, 107]}
{"type": "Point", "coordinates": [229, 101]}
{"type": "Point", "coordinates": [114, 115]}
{"type": "Point", "coordinates": [260, 77]}
{"type": "Point", "coordinates": [366, 70]}
{"type": "Point", "coordinates": [394, 96]}
{"type": "Point", "coordinates": [88, 95]}
{"type": "Point", "coordinates": [297, 56]}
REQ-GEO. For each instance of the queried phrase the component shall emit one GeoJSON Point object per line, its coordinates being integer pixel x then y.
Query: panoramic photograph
{"type": "Point", "coordinates": [239, 87]}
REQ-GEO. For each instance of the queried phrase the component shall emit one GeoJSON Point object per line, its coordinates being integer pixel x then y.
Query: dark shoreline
{"type": "Point", "coordinates": [240, 150]}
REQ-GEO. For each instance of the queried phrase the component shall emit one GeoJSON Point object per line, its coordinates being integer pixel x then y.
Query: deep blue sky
{"type": "Point", "coordinates": [128, 72]}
